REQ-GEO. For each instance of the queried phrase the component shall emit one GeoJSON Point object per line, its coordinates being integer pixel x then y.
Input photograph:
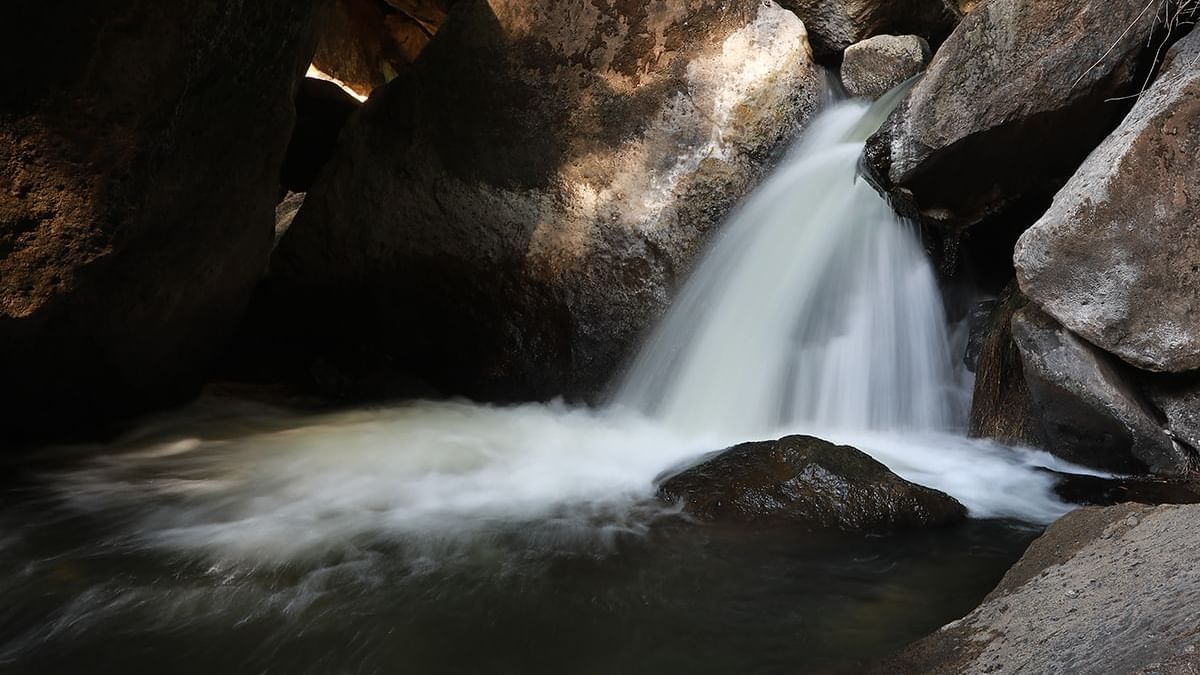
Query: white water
{"type": "Point", "coordinates": [815, 311]}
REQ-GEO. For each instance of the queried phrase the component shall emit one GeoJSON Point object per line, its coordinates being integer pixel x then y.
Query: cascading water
{"type": "Point", "coordinates": [816, 307]}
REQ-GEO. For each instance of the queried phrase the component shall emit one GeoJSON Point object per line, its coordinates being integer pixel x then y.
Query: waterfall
{"type": "Point", "coordinates": [815, 307]}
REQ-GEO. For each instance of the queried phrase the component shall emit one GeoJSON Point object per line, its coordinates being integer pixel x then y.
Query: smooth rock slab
{"type": "Point", "coordinates": [1116, 259]}
{"type": "Point", "coordinates": [874, 66]}
{"type": "Point", "coordinates": [1104, 590]}
{"type": "Point", "coordinates": [805, 480]}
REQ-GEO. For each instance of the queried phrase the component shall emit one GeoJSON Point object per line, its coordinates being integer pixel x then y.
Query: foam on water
{"type": "Point", "coordinates": [815, 311]}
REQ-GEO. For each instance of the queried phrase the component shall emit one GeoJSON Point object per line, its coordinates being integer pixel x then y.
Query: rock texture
{"type": "Point", "coordinates": [1091, 409]}
{"type": "Point", "coordinates": [506, 220]}
{"type": "Point", "coordinates": [365, 44]}
{"type": "Point", "coordinates": [834, 25]}
{"type": "Point", "coordinates": [139, 168]}
{"type": "Point", "coordinates": [874, 66]}
{"type": "Point", "coordinates": [1116, 259]}
{"type": "Point", "coordinates": [805, 480]}
{"type": "Point", "coordinates": [1011, 104]}
{"type": "Point", "coordinates": [1104, 590]}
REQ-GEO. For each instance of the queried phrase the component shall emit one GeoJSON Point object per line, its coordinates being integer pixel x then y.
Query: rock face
{"type": "Point", "coordinates": [1011, 104]}
{"type": "Point", "coordinates": [1104, 590]}
{"type": "Point", "coordinates": [508, 218]}
{"type": "Point", "coordinates": [139, 167]}
{"type": "Point", "coordinates": [1090, 406]}
{"type": "Point", "coordinates": [872, 67]}
{"type": "Point", "coordinates": [1116, 259]}
{"type": "Point", "coordinates": [805, 480]}
{"type": "Point", "coordinates": [834, 25]}
{"type": "Point", "coordinates": [365, 43]}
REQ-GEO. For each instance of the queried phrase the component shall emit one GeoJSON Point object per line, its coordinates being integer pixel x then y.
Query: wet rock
{"type": "Point", "coordinates": [1116, 259]}
{"type": "Point", "coordinates": [322, 109]}
{"type": "Point", "coordinates": [805, 480]}
{"type": "Point", "coordinates": [1011, 104]}
{"type": "Point", "coordinates": [1104, 590]}
{"type": "Point", "coordinates": [1001, 406]}
{"type": "Point", "coordinates": [1090, 406]}
{"type": "Point", "coordinates": [874, 66]}
{"type": "Point", "coordinates": [508, 218]}
{"type": "Point", "coordinates": [139, 168]}
{"type": "Point", "coordinates": [834, 25]}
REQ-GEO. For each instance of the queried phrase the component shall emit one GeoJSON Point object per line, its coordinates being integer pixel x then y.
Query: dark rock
{"type": "Point", "coordinates": [876, 65]}
{"type": "Point", "coordinates": [140, 148]}
{"type": "Point", "coordinates": [1104, 590]}
{"type": "Point", "coordinates": [979, 327]}
{"type": "Point", "coordinates": [1104, 491]}
{"type": "Point", "coordinates": [1116, 259]}
{"type": "Point", "coordinates": [834, 25]}
{"type": "Point", "coordinates": [1013, 101]}
{"type": "Point", "coordinates": [1001, 407]}
{"type": "Point", "coordinates": [322, 109]}
{"type": "Point", "coordinates": [805, 480]}
{"type": "Point", "coordinates": [508, 218]}
{"type": "Point", "coordinates": [1090, 406]}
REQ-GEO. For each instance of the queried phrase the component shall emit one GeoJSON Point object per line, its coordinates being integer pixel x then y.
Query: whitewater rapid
{"type": "Point", "coordinates": [815, 311]}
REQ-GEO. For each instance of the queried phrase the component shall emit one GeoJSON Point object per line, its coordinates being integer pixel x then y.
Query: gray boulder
{"type": "Point", "coordinates": [1104, 590]}
{"type": "Point", "coordinates": [834, 25]}
{"type": "Point", "coordinates": [807, 481]}
{"type": "Point", "coordinates": [1116, 259]}
{"type": "Point", "coordinates": [509, 217]}
{"type": "Point", "coordinates": [1011, 104]}
{"type": "Point", "coordinates": [1090, 406]}
{"type": "Point", "coordinates": [874, 66]}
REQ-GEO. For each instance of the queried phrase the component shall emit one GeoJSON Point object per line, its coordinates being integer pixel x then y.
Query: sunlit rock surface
{"type": "Point", "coordinates": [139, 168]}
{"type": "Point", "coordinates": [510, 217]}
{"type": "Point", "coordinates": [806, 481]}
{"type": "Point", "coordinates": [1116, 259]}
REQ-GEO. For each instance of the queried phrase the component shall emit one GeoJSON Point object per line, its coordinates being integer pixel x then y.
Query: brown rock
{"type": "Point", "coordinates": [139, 167]}
{"type": "Point", "coordinates": [805, 480]}
{"type": "Point", "coordinates": [506, 220]}
{"type": "Point", "coordinates": [1116, 259]}
{"type": "Point", "coordinates": [1001, 408]}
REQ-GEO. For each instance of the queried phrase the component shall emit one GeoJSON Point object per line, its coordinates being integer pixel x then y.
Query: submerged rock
{"type": "Point", "coordinates": [139, 167]}
{"type": "Point", "coordinates": [508, 218]}
{"type": "Point", "coordinates": [1104, 590]}
{"type": "Point", "coordinates": [874, 66]}
{"type": "Point", "coordinates": [805, 480]}
{"type": "Point", "coordinates": [1116, 259]}
{"type": "Point", "coordinates": [1091, 409]}
{"type": "Point", "coordinates": [834, 25]}
{"type": "Point", "coordinates": [1011, 104]}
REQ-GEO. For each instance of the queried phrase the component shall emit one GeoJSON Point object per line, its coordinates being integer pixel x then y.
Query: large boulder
{"type": "Point", "coordinates": [507, 219]}
{"type": "Point", "coordinates": [874, 66]}
{"type": "Point", "coordinates": [1091, 407]}
{"type": "Point", "coordinates": [834, 25]}
{"type": "Point", "coordinates": [140, 148]}
{"type": "Point", "coordinates": [1116, 259]}
{"type": "Point", "coordinates": [1104, 590]}
{"type": "Point", "coordinates": [807, 481]}
{"type": "Point", "coordinates": [1010, 105]}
